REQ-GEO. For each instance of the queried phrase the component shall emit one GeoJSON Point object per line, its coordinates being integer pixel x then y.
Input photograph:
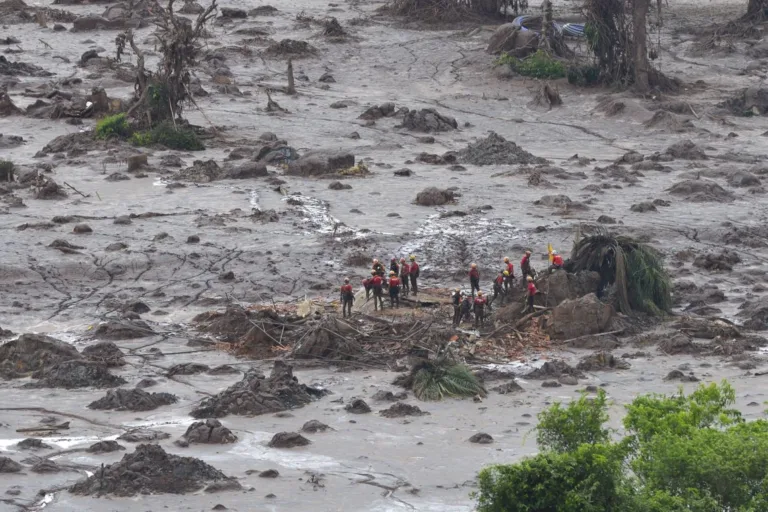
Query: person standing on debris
{"type": "Point", "coordinates": [466, 308]}
{"type": "Point", "coordinates": [498, 287]}
{"type": "Point", "coordinates": [347, 298]}
{"type": "Point", "coordinates": [378, 268]}
{"type": "Point", "coordinates": [557, 261]}
{"type": "Point", "coordinates": [474, 279]}
{"type": "Point", "coordinates": [509, 274]}
{"type": "Point", "coordinates": [525, 265]}
{"type": "Point", "coordinates": [479, 305]}
{"type": "Point", "coordinates": [404, 271]}
{"type": "Point", "coordinates": [368, 285]}
{"type": "Point", "coordinates": [377, 284]}
{"type": "Point", "coordinates": [532, 291]}
{"type": "Point", "coordinates": [394, 267]}
{"type": "Point", "coordinates": [394, 290]}
{"type": "Point", "coordinates": [456, 298]}
{"type": "Point", "coordinates": [414, 274]}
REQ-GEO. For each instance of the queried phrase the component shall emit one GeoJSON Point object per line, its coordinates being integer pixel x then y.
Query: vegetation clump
{"type": "Point", "coordinates": [169, 135]}
{"type": "Point", "coordinates": [443, 378]}
{"type": "Point", "coordinates": [682, 453]}
{"type": "Point", "coordinates": [115, 126]}
{"type": "Point", "coordinates": [538, 65]}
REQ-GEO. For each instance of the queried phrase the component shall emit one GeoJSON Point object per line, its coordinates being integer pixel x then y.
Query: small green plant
{"type": "Point", "coordinates": [141, 138]}
{"type": "Point", "coordinates": [435, 380]}
{"type": "Point", "coordinates": [170, 136]}
{"type": "Point", "coordinates": [563, 429]}
{"type": "Point", "coordinates": [113, 126]}
{"type": "Point", "coordinates": [539, 65]}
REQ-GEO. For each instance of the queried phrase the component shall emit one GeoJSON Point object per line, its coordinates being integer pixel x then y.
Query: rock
{"type": "Point", "coordinates": [187, 369]}
{"type": "Point", "coordinates": [643, 207]}
{"type": "Point", "coordinates": [117, 246]}
{"type": "Point", "coordinates": [191, 7]}
{"type": "Point", "coordinates": [508, 388]}
{"type": "Point", "coordinates": [255, 395]}
{"type": "Point", "coordinates": [269, 473]}
{"type": "Point", "coordinates": [678, 375]}
{"type": "Point", "coordinates": [105, 447]}
{"type": "Point", "coordinates": [326, 78]}
{"type": "Point", "coordinates": [357, 406]}
{"type": "Point", "coordinates": [150, 470]}
{"type": "Point", "coordinates": [317, 163]}
{"type": "Point", "coordinates": [33, 352]}
{"type": "Point", "coordinates": [229, 12]}
{"type": "Point", "coordinates": [33, 444]}
{"type": "Point", "coordinates": [701, 190]}
{"type": "Point", "coordinates": [122, 330]}
{"type": "Point", "coordinates": [82, 228]}
{"type": "Point", "coordinates": [75, 374]}
{"type": "Point", "coordinates": [314, 426]}
{"type": "Point", "coordinates": [496, 150]}
{"type": "Point", "coordinates": [378, 111]}
{"type": "Point", "coordinates": [104, 352]}
{"type": "Point", "coordinates": [123, 220]}
{"type": "Point", "coordinates": [551, 384]}
{"type": "Point", "coordinates": [433, 196]}
{"type": "Point", "coordinates": [136, 162]}
{"type": "Point", "coordinates": [193, 239]}
{"type": "Point", "coordinates": [481, 438]}
{"type": "Point", "coordinates": [46, 466]}
{"type": "Point", "coordinates": [605, 219]}
{"type": "Point", "coordinates": [579, 317]}
{"type": "Point", "coordinates": [401, 410]}
{"type": "Point", "coordinates": [146, 383]}
{"type": "Point", "coordinates": [9, 466]}
{"type": "Point", "coordinates": [227, 276]}
{"type": "Point", "coordinates": [388, 396]}
{"type": "Point", "coordinates": [337, 185]}
{"type": "Point", "coordinates": [554, 368]}
{"type": "Point", "coordinates": [223, 369]}
{"type": "Point", "coordinates": [602, 361]}
{"type": "Point", "coordinates": [404, 172]}
{"type": "Point", "coordinates": [428, 120]}
{"type": "Point", "coordinates": [208, 432]}
{"type": "Point", "coordinates": [143, 435]}
{"type": "Point", "coordinates": [288, 440]}
{"type": "Point", "coordinates": [755, 313]}
{"type": "Point", "coordinates": [248, 170]}
{"type": "Point", "coordinates": [562, 285]}
{"type": "Point", "coordinates": [686, 150]}
{"type": "Point", "coordinates": [132, 400]}
{"type": "Point", "coordinates": [717, 262]}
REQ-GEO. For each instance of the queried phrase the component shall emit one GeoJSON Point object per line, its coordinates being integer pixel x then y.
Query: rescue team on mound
{"type": "Point", "coordinates": [405, 277]}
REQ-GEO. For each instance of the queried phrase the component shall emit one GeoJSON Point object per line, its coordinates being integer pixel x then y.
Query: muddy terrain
{"type": "Point", "coordinates": [176, 313]}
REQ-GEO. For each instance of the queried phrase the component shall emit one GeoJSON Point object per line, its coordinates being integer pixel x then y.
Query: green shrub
{"type": "Point", "coordinates": [563, 429]}
{"type": "Point", "coordinates": [113, 126]}
{"type": "Point", "coordinates": [141, 138]}
{"type": "Point", "coordinates": [170, 136]}
{"type": "Point", "coordinates": [584, 75]}
{"type": "Point", "coordinates": [539, 65]}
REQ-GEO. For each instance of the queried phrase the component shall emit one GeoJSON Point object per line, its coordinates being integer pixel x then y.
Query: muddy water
{"type": "Point", "coordinates": [367, 462]}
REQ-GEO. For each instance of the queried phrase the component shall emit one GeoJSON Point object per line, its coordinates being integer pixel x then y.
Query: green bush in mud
{"type": "Point", "coordinates": [691, 453]}
{"type": "Point", "coordinates": [170, 136]}
{"type": "Point", "coordinates": [584, 75]}
{"type": "Point", "coordinates": [113, 126]}
{"type": "Point", "coordinates": [539, 65]}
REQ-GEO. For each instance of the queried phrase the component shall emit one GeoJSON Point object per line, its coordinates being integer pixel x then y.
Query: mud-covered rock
{"type": "Point", "coordinates": [33, 444]}
{"type": "Point", "coordinates": [401, 410]}
{"type": "Point", "coordinates": [580, 317]}
{"type": "Point", "coordinates": [33, 352]}
{"type": "Point", "coordinates": [150, 470]}
{"type": "Point", "coordinates": [605, 219]}
{"type": "Point", "coordinates": [755, 313]}
{"type": "Point", "coordinates": [602, 361]}
{"type": "Point", "coordinates": [230, 12]}
{"type": "Point", "coordinates": [314, 426]}
{"type": "Point", "coordinates": [643, 207]}
{"type": "Point", "coordinates": [510, 39]}
{"type": "Point", "coordinates": [725, 260]}
{"type": "Point", "coordinates": [105, 447]}
{"type": "Point", "coordinates": [481, 438]}
{"type": "Point", "coordinates": [428, 120]}
{"type": "Point", "coordinates": [378, 111]}
{"type": "Point", "coordinates": [318, 163]}
{"type": "Point", "coordinates": [76, 374]}
{"type": "Point", "coordinates": [8, 465]}
{"type": "Point", "coordinates": [508, 388]}
{"type": "Point", "coordinates": [357, 406]}
{"type": "Point", "coordinates": [389, 396]}
{"type": "Point", "coordinates": [743, 179]}
{"type": "Point", "coordinates": [686, 150]}
{"type": "Point", "coordinates": [255, 395]}
{"type": "Point", "coordinates": [682, 377]}
{"type": "Point", "coordinates": [562, 285]}
{"type": "Point", "coordinates": [132, 400]}
{"type": "Point", "coordinates": [554, 369]}
{"type": "Point", "coordinates": [290, 48]}
{"type": "Point", "coordinates": [46, 466]}
{"type": "Point", "coordinates": [679, 343]}
{"type": "Point", "coordinates": [123, 330]}
{"type": "Point", "coordinates": [433, 196]}
{"type": "Point", "coordinates": [187, 369]}
{"type": "Point", "coordinates": [707, 328]}
{"type": "Point", "coordinates": [223, 369]}
{"type": "Point", "coordinates": [143, 435]}
{"type": "Point", "coordinates": [288, 440]}
{"type": "Point", "coordinates": [496, 150]}
{"type": "Point", "coordinates": [701, 190]}
{"type": "Point", "coordinates": [207, 432]}
{"type": "Point", "coordinates": [104, 352]}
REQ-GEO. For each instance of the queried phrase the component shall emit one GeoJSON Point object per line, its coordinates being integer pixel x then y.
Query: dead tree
{"type": "Point", "coordinates": [640, 61]}
{"type": "Point", "coordinates": [162, 95]}
{"type": "Point", "coordinates": [756, 10]}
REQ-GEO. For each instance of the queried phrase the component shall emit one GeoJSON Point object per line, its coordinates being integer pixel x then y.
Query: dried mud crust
{"type": "Point", "coordinates": [255, 395]}
{"type": "Point", "coordinates": [150, 470]}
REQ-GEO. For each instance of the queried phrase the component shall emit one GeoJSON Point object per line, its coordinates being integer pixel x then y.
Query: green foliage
{"type": "Point", "coordinates": [584, 76]}
{"type": "Point", "coordinates": [563, 429]}
{"type": "Point", "coordinates": [539, 65]}
{"type": "Point", "coordinates": [435, 380]}
{"type": "Point", "coordinates": [113, 126]}
{"type": "Point", "coordinates": [642, 284]}
{"type": "Point", "coordinates": [683, 453]}
{"type": "Point", "coordinates": [170, 136]}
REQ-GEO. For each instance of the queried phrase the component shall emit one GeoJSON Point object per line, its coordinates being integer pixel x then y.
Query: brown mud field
{"type": "Point", "coordinates": [170, 321]}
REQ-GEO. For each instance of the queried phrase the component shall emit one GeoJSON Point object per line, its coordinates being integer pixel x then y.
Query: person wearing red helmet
{"type": "Point", "coordinates": [532, 291]}
{"type": "Point", "coordinates": [474, 279]}
{"type": "Point", "coordinates": [479, 307]}
{"type": "Point", "coordinates": [377, 284]}
{"type": "Point", "coordinates": [509, 275]}
{"type": "Point", "coordinates": [414, 274]}
{"type": "Point", "coordinates": [405, 269]}
{"type": "Point", "coordinates": [394, 289]}
{"type": "Point", "coordinates": [347, 298]}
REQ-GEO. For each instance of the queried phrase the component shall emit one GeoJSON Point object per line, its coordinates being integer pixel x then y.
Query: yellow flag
{"type": "Point", "coordinates": [549, 250]}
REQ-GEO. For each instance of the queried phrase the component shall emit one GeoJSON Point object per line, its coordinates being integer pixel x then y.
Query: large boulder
{"type": "Point", "coordinates": [755, 313]}
{"type": "Point", "coordinates": [317, 163]}
{"type": "Point", "coordinates": [508, 38]}
{"type": "Point", "coordinates": [580, 317]}
{"type": "Point", "coordinates": [33, 352]}
{"type": "Point", "coordinates": [561, 285]}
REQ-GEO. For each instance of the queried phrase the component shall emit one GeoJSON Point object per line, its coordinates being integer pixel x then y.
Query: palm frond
{"type": "Point", "coordinates": [439, 379]}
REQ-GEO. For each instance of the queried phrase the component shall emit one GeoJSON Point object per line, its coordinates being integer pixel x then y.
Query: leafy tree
{"type": "Point", "coordinates": [564, 429]}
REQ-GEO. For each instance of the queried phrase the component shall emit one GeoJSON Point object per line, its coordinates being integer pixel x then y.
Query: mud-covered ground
{"type": "Point", "coordinates": [688, 202]}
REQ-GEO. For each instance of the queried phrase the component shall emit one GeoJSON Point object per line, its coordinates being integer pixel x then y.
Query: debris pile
{"type": "Point", "coordinates": [132, 400]}
{"type": "Point", "coordinates": [428, 120]}
{"type": "Point", "coordinates": [699, 191]}
{"type": "Point", "coordinates": [433, 196]}
{"type": "Point", "coordinates": [401, 410]}
{"type": "Point", "coordinates": [207, 432]}
{"type": "Point", "coordinates": [496, 150]}
{"type": "Point", "coordinates": [31, 353]}
{"type": "Point", "coordinates": [75, 374]}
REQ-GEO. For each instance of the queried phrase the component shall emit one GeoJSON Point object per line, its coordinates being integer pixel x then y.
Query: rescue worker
{"type": "Point", "coordinates": [394, 289]}
{"type": "Point", "coordinates": [394, 267]}
{"type": "Point", "coordinates": [498, 287]}
{"type": "Point", "coordinates": [414, 274]}
{"type": "Point", "coordinates": [405, 269]}
{"type": "Point", "coordinates": [474, 279]}
{"type": "Point", "coordinates": [509, 274]}
{"type": "Point", "coordinates": [347, 298]}
{"type": "Point", "coordinates": [456, 297]}
{"type": "Point", "coordinates": [532, 291]}
{"type": "Point", "coordinates": [368, 285]}
{"type": "Point", "coordinates": [557, 262]}
{"type": "Point", "coordinates": [466, 308]}
{"type": "Point", "coordinates": [377, 283]}
{"type": "Point", "coordinates": [378, 268]}
{"type": "Point", "coordinates": [525, 265]}
{"type": "Point", "coordinates": [479, 307]}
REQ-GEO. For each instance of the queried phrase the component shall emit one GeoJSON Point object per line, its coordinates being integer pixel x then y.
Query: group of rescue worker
{"type": "Point", "coordinates": [404, 275]}
{"type": "Point", "coordinates": [403, 278]}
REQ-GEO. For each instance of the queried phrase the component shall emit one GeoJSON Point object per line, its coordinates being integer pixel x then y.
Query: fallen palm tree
{"type": "Point", "coordinates": [634, 268]}
{"type": "Point", "coordinates": [441, 378]}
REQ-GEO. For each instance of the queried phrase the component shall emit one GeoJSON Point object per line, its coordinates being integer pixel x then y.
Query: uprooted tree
{"type": "Point", "coordinates": [160, 96]}
{"type": "Point", "coordinates": [756, 10]}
